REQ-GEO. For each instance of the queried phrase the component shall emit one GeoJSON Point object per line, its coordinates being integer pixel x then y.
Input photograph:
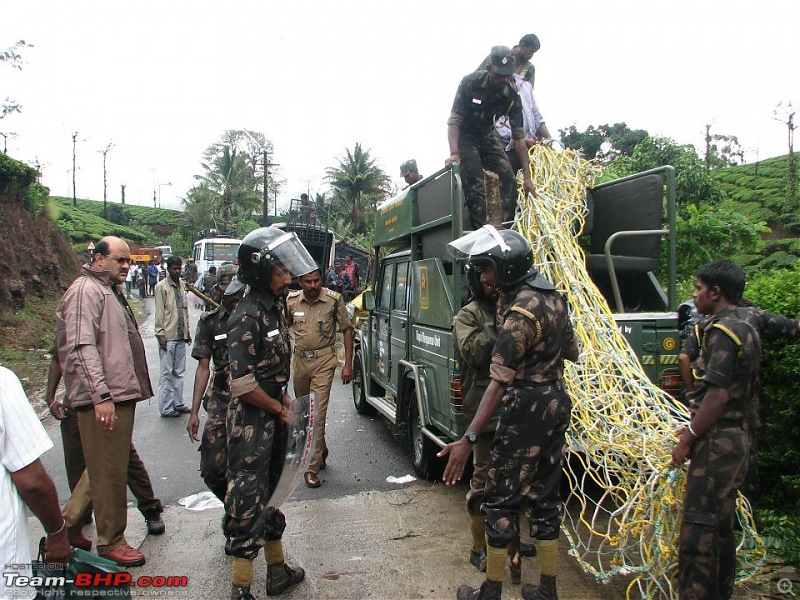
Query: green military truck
{"type": "Point", "coordinates": [404, 367]}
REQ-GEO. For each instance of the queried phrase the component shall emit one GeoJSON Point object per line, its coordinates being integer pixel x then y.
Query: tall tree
{"type": "Point", "coordinates": [357, 184]}
{"type": "Point", "coordinates": [722, 151]}
{"type": "Point", "coordinates": [604, 142]}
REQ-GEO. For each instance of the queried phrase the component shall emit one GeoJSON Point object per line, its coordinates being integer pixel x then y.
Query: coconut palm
{"type": "Point", "coordinates": [357, 185]}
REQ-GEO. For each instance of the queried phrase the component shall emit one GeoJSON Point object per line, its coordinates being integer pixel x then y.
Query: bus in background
{"type": "Point", "coordinates": [212, 252]}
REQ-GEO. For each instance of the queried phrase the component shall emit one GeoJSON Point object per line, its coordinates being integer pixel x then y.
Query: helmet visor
{"type": "Point", "coordinates": [477, 242]}
{"type": "Point", "coordinates": [289, 251]}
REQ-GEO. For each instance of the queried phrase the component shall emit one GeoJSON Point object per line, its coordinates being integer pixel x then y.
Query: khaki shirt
{"type": "Point", "coordinates": [314, 323]}
{"type": "Point", "coordinates": [168, 311]}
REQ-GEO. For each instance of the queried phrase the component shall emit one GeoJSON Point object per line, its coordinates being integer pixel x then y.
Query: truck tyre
{"type": "Point", "coordinates": [423, 450]}
{"type": "Point", "coordinates": [359, 391]}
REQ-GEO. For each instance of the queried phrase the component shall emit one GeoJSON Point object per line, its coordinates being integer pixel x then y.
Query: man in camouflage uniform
{"type": "Point", "coordinates": [482, 97]}
{"type": "Point", "coordinates": [258, 350]}
{"type": "Point", "coordinates": [314, 313]}
{"type": "Point", "coordinates": [211, 341]}
{"type": "Point", "coordinates": [716, 436]}
{"type": "Point", "coordinates": [766, 325]}
{"type": "Point", "coordinates": [474, 336]}
{"type": "Point", "coordinates": [224, 275]}
{"type": "Point", "coordinates": [526, 384]}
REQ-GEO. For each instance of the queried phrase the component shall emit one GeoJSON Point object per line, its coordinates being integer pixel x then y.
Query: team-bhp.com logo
{"type": "Point", "coordinates": [148, 586]}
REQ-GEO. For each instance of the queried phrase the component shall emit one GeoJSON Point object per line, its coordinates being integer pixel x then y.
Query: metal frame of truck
{"type": "Point", "coordinates": [404, 366]}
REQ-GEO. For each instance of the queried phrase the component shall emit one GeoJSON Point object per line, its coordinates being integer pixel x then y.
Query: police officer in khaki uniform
{"type": "Point", "coordinates": [314, 313]}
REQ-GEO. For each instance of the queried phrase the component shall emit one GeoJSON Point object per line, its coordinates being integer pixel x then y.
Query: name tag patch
{"type": "Point", "coordinates": [273, 333]}
{"type": "Point", "coordinates": [221, 336]}
{"type": "Point", "coordinates": [299, 313]}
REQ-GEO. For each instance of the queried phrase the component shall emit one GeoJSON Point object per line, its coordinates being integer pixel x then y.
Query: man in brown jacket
{"type": "Point", "coordinates": [105, 374]}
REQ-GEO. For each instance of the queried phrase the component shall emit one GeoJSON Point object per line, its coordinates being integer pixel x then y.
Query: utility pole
{"type": "Point", "coordinates": [122, 186]}
{"type": "Point", "coordinates": [74, 144]}
{"type": "Point", "coordinates": [265, 207]}
{"type": "Point", "coordinates": [105, 180]}
{"type": "Point", "coordinates": [785, 114]}
{"type": "Point", "coordinates": [154, 200]}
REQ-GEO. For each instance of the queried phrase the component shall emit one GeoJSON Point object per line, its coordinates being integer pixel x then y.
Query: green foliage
{"type": "Point", "coordinates": [707, 233]}
{"type": "Point", "coordinates": [781, 535]}
{"type": "Point", "coordinates": [358, 184]}
{"type": "Point", "coordinates": [778, 451]}
{"type": "Point", "coordinates": [694, 185]}
{"type": "Point", "coordinates": [145, 226]}
{"type": "Point", "coordinates": [605, 143]}
{"type": "Point", "coordinates": [118, 214]}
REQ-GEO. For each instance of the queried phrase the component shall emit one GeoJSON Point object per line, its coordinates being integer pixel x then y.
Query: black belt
{"type": "Point", "coordinates": [522, 383]}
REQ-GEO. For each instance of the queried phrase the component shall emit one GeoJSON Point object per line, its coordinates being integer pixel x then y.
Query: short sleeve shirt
{"type": "Point", "coordinates": [535, 336]}
{"type": "Point", "coordinates": [314, 324]}
{"type": "Point", "coordinates": [211, 342]}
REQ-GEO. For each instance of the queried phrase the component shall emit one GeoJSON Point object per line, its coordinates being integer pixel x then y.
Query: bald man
{"type": "Point", "coordinates": [105, 374]}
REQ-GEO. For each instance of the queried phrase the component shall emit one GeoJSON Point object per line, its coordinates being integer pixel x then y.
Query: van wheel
{"type": "Point", "coordinates": [423, 450]}
{"type": "Point", "coordinates": [359, 392]}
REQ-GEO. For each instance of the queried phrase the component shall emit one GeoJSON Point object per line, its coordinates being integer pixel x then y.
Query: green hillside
{"type": "Point", "coordinates": [140, 225]}
{"type": "Point", "coordinates": [761, 191]}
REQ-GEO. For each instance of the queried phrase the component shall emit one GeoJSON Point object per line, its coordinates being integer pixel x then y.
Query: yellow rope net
{"type": "Point", "coordinates": [624, 509]}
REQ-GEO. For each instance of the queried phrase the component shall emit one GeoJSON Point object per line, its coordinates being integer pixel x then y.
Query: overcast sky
{"type": "Point", "coordinates": [163, 79]}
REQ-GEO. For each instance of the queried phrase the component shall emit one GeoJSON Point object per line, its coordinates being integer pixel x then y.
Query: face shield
{"type": "Point", "coordinates": [477, 242]}
{"type": "Point", "coordinates": [288, 250]}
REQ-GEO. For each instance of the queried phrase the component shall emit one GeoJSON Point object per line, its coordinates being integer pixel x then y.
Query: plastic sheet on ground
{"type": "Point", "coordinates": [200, 501]}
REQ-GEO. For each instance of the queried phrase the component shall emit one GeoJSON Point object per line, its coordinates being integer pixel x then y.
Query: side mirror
{"type": "Point", "coordinates": [369, 300]}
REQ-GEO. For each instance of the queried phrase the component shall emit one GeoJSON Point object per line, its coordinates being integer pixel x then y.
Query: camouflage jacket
{"type": "Point", "coordinates": [258, 342]}
{"type": "Point", "coordinates": [730, 355]}
{"type": "Point", "coordinates": [535, 337]}
{"type": "Point", "coordinates": [476, 107]}
{"type": "Point", "coordinates": [211, 342]}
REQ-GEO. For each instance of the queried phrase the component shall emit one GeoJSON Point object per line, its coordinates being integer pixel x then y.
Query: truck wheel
{"type": "Point", "coordinates": [359, 391]}
{"type": "Point", "coordinates": [423, 450]}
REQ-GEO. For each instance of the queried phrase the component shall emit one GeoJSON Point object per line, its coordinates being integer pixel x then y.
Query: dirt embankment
{"type": "Point", "coordinates": [37, 259]}
{"type": "Point", "coordinates": [36, 267]}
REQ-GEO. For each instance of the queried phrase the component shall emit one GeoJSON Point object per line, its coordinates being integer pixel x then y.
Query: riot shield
{"type": "Point", "coordinates": [299, 440]}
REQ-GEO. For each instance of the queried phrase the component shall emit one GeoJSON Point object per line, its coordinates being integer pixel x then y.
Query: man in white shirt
{"type": "Point", "coordinates": [24, 481]}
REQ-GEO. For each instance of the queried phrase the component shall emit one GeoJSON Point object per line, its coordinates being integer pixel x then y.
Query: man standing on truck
{"type": "Point", "coordinates": [314, 313]}
{"type": "Point", "coordinates": [483, 97]}
{"type": "Point", "coordinates": [523, 52]}
{"type": "Point", "coordinates": [526, 371]}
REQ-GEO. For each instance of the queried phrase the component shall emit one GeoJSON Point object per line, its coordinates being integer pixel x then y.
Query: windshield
{"type": "Point", "coordinates": [221, 252]}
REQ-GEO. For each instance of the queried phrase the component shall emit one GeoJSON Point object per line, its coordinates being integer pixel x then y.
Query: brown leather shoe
{"type": "Point", "coordinates": [312, 480]}
{"type": "Point", "coordinates": [77, 539]}
{"type": "Point", "coordinates": [125, 556]}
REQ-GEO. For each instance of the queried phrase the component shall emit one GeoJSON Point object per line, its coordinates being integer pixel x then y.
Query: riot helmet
{"type": "Point", "coordinates": [267, 246]}
{"type": "Point", "coordinates": [506, 250]}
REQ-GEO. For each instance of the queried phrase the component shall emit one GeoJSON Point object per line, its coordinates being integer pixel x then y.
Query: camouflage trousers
{"type": "Point", "coordinates": [214, 445]}
{"type": "Point", "coordinates": [478, 153]}
{"type": "Point", "coordinates": [525, 463]}
{"type": "Point", "coordinates": [254, 462]}
{"type": "Point", "coordinates": [707, 547]}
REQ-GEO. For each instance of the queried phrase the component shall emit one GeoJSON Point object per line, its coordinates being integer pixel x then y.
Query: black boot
{"type": "Point", "coordinates": [546, 590]}
{"type": "Point", "coordinates": [241, 593]}
{"type": "Point", "coordinates": [527, 550]}
{"type": "Point", "coordinates": [489, 590]}
{"type": "Point", "coordinates": [281, 577]}
{"type": "Point", "coordinates": [155, 525]}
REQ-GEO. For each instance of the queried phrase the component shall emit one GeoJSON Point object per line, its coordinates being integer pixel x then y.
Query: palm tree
{"type": "Point", "coordinates": [358, 184]}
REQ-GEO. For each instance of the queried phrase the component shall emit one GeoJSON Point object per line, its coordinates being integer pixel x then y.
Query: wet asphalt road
{"type": "Point", "coordinates": [364, 451]}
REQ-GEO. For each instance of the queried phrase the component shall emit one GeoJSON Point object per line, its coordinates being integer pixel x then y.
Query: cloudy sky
{"type": "Point", "coordinates": [163, 79]}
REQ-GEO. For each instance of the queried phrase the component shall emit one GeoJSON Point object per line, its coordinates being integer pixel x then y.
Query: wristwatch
{"type": "Point", "coordinates": [472, 437]}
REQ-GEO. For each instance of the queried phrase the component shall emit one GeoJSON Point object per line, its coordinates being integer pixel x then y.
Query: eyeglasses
{"type": "Point", "coordinates": [123, 260]}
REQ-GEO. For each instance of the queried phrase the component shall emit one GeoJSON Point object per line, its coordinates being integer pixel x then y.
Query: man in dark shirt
{"type": "Point", "coordinates": [482, 97]}
{"type": "Point", "coordinates": [716, 436]}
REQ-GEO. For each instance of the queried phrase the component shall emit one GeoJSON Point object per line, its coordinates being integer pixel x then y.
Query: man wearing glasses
{"type": "Point", "coordinates": [105, 374]}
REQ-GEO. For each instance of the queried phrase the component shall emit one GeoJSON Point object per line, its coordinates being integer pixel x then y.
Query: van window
{"type": "Point", "coordinates": [386, 288]}
{"type": "Point", "coordinates": [221, 252]}
{"type": "Point", "coordinates": [401, 287]}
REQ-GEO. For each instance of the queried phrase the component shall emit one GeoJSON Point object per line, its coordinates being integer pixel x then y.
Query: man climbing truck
{"type": "Point", "coordinates": [404, 366]}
